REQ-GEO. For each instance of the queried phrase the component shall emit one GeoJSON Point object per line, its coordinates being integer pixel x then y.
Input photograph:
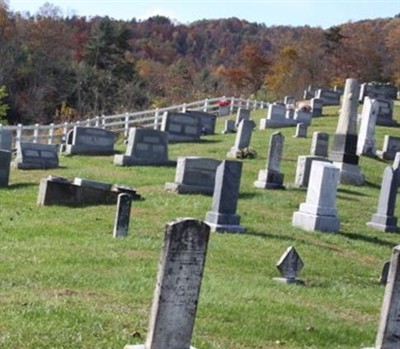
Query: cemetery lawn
{"type": "Point", "coordinates": [66, 283]}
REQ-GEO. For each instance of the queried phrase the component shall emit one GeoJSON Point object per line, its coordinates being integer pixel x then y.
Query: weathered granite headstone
{"type": "Point", "coordinates": [5, 139]}
{"type": "Point", "coordinates": [302, 115]}
{"type": "Point", "coordinates": [122, 215]}
{"type": "Point", "coordinates": [242, 114]}
{"type": "Point", "coordinates": [320, 144]}
{"type": "Point", "coordinates": [90, 141]}
{"type": "Point", "coordinates": [344, 148]}
{"type": "Point", "coordinates": [271, 177]}
{"type": "Point", "coordinates": [5, 161]}
{"type": "Point", "coordinates": [317, 106]}
{"type": "Point", "coordinates": [177, 291]}
{"type": "Point", "coordinates": [388, 336]}
{"type": "Point", "coordinates": [377, 90]}
{"type": "Point", "coordinates": [385, 113]}
{"type": "Point", "coordinates": [35, 156]}
{"type": "Point", "coordinates": [145, 147]}
{"type": "Point", "coordinates": [301, 131]}
{"type": "Point", "coordinates": [384, 219]}
{"type": "Point", "coordinates": [181, 127]}
{"type": "Point", "coordinates": [243, 137]}
{"type": "Point", "coordinates": [384, 274]}
{"type": "Point", "coordinates": [391, 145]}
{"type": "Point", "coordinates": [329, 97]}
{"type": "Point", "coordinates": [229, 127]}
{"type": "Point", "coordinates": [223, 217]}
{"type": "Point", "coordinates": [207, 121]}
{"type": "Point", "coordinates": [290, 265]}
{"type": "Point", "coordinates": [366, 134]}
{"type": "Point", "coordinates": [276, 117]}
{"type": "Point", "coordinates": [224, 110]}
{"type": "Point", "coordinates": [194, 175]}
{"type": "Point", "coordinates": [319, 211]}
{"type": "Point", "coordinates": [303, 169]}
{"type": "Point", "coordinates": [62, 191]}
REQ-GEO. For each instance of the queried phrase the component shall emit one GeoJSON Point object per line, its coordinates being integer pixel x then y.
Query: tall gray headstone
{"type": "Point", "coordinates": [229, 127]}
{"type": "Point", "coordinates": [317, 106]}
{"type": "Point", "coordinates": [366, 134]}
{"type": "Point", "coordinates": [223, 217]}
{"type": "Point", "coordinates": [320, 144]}
{"type": "Point", "coordinates": [303, 169]}
{"type": "Point", "coordinates": [194, 175]}
{"type": "Point", "coordinates": [290, 265]}
{"type": "Point", "coordinates": [388, 336]}
{"type": "Point", "coordinates": [145, 147]}
{"type": "Point", "coordinates": [122, 215]}
{"type": "Point", "coordinates": [5, 138]}
{"type": "Point", "coordinates": [243, 138]}
{"type": "Point", "coordinates": [271, 177]}
{"type": "Point", "coordinates": [5, 161]}
{"type": "Point", "coordinates": [301, 131]}
{"type": "Point", "coordinates": [385, 112]}
{"type": "Point", "coordinates": [344, 148]}
{"type": "Point", "coordinates": [319, 211]}
{"type": "Point", "coordinates": [35, 156]}
{"type": "Point", "coordinates": [384, 219]}
{"type": "Point", "coordinates": [177, 291]}
{"type": "Point", "coordinates": [242, 114]}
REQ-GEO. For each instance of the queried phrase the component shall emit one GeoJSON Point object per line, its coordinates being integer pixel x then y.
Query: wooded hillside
{"type": "Point", "coordinates": [57, 68]}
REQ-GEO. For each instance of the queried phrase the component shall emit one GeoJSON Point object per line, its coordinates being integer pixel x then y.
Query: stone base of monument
{"type": "Point", "coordinates": [268, 179]}
{"type": "Point", "coordinates": [181, 188]}
{"type": "Point", "coordinates": [350, 174]}
{"type": "Point", "coordinates": [142, 346]}
{"type": "Point", "coordinates": [384, 223]}
{"type": "Point", "coordinates": [289, 281]}
{"type": "Point", "coordinates": [266, 123]}
{"type": "Point", "coordinates": [312, 222]}
{"type": "Point", "coordinates": [234, 153]}
{"type": "Point", "coordinates": [219, 222]}
{"type": "Point", "coordinates": [124, 160]}
{"type": "Point", "coordinates": [71, 149]}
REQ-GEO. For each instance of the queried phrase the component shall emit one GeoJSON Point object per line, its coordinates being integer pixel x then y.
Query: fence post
{"type": "Point", "coordinates": [51, 134]}
{"type": "Point", "coordinates": [184, 108]}
{"type": "Point", "coordinates": [248, 103]}
{"type": "Point", "coordinates": [126, 125]}
{"type": "Point", "coordinates": [19, 133]}
{"type": "Point", "coordinates": [88, 122]}
{"type": "Point", "coordinates": [205, 108]}
{"type": "Point", "coordinates": [36, 133]}
{"type": "Point", "coordinates": [156, 117]}
{"type": "Point", "coordinates": [103, 122]}
{"type": "Point", "coordinates": [64, 133]}
{"type": "Point", "coordinates": [255, 104]}
{"type": "Point", "coordinates": [97, 121]}
{"type": "Point", "coordinates": [231, 105]}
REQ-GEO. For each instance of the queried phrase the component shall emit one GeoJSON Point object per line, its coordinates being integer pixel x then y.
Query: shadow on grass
{"type": "Point", "coordinates": [351, 192]}
{"type": "Point", "coordinates": [21, 185]}
{"type": "Point", "coordinates": [372, 240]}
{"type": "Point", "coordinates": [372, 185]}
{"type": "Point", "coordinates": [244, 196]}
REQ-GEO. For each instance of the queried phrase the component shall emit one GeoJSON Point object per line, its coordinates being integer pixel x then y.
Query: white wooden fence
{"type": "Point", "coordinates": [56, 133]}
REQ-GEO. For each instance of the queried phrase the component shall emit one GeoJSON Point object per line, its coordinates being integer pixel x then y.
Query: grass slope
{"type": "Point", "coordinates": [66, 283]}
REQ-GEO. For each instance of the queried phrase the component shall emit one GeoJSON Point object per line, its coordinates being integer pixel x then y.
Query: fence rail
{"type": "Point", "coordinates": [120, 123]}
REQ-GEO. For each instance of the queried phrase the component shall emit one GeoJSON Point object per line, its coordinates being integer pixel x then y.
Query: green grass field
{"type": "Point", "coordinates": [66, 283]}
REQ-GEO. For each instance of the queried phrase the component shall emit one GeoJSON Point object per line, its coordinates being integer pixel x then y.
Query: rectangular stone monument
{"type": "Point", "coordinates": [303, 169]}
{"type": "Point", "coordinates": [301, 131]}
{"type": "Point", "coordinates": [320, 144]}
{"type": "Point", "coordinates": [181, 127]}
{"type": "Point", "coordinates": [377, 90]}
{"type": "Point", "coordinates": [207, 121]}
{"type": "Point", "coordinates": [328, 97]}
{"type": "Point", "coordinates": [229, 127]}
{"type": "Point", "coordinates": [271, 177]}
{"type": "Point", "coordinates": [5, 138]}
{"type": "Point", "coordinates": [145, 147]}
{"type": "Point", "coordinates": [77, 192]}
{"type": "Point", "coordinates": [243, 138]}
{"type": "Point", "coordinates": [289, 101]}
{"type": "Point", "coordinates": [176, 296]}
{"type": "Point", "coordinates": [388, 336]}
{"type": "Point", "coordinates": [90, 141]}
{"type": "Point", "coordinates": [122, 215]}
{"type": "Point", "coordinates": [302, 116]}
{"type": "Point", "coordinates": [224, 110]}
{"type": "Point", "coordinates": [317, 106]}
{"type": "Point", "coordinates": [242, 114]}
{"type": "Point", "coordinates": [310, 91]}
{"type": "Point", "coordinates": [319, 211]}
{"type": "Point", "coordinates": [344, 148]}
{"type": "Point", "coordinates": [276, 117]}
{"type": "Point", "coordinates": [223, 217]}
{"type": "Point", "coordinates": [194, 175]}
{"type": "Point", "coordinates": [366, 134]}
{"type": "Point", "coordinates": [384, 219]}
{"type": "Point", "coordinates": [391, 145]}
{"type": "Point", "coordinates": [385, 113]}
{"type": "Point", "coordinates": [5, 161]}
{"type": "Point", "coordinates": [32, 156]}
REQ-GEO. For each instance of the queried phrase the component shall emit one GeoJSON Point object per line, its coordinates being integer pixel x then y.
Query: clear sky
{"type": "Point", "coordinates": [323, 13]}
